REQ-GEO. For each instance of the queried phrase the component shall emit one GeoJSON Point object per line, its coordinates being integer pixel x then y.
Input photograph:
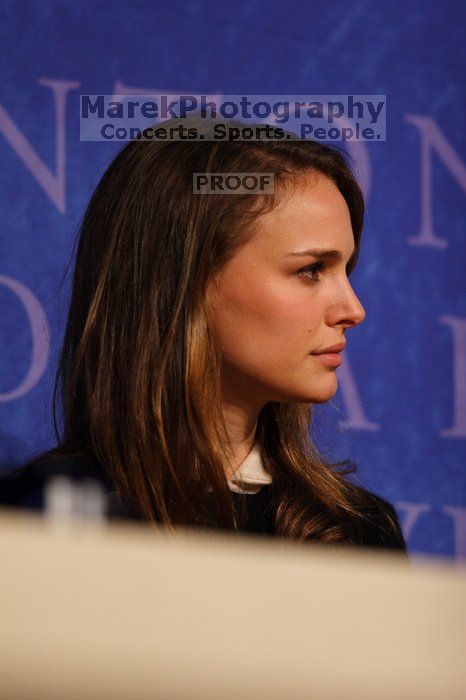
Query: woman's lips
{"type": "Point", "coordinates": [333, 359]}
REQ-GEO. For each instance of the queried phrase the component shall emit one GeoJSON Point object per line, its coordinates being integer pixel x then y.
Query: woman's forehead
{"type": "Point", "coordinates": [315, 215]}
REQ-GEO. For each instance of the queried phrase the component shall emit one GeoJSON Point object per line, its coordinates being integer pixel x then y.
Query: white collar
{"type": "Point", "coordinates": [250, 471]}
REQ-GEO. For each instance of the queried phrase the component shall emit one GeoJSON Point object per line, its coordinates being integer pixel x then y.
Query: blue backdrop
{"type": "Point", "coordinates": [400, 410]}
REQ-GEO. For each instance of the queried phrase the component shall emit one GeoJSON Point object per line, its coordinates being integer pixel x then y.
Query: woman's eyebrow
{"type": "Point", "coordinates": [321, 253]}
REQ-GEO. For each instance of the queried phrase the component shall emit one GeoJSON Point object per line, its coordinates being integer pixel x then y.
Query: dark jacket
{"type": "Point", "coordinates": [24, 488]}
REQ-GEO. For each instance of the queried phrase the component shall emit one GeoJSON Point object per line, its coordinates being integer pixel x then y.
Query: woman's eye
{"type": "Point", "coordinates": [310, 272]}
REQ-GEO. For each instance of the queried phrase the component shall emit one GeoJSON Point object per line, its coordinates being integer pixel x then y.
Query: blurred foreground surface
{"type": "Point", "coordinates": [122, 611]}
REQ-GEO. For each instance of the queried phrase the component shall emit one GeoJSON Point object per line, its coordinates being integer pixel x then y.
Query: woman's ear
{"type": "Point", "coordinates": [211, 289]}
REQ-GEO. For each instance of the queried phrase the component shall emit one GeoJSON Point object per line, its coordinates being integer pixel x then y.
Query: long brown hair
{"type": "Point", "coordinates": [139, 377]}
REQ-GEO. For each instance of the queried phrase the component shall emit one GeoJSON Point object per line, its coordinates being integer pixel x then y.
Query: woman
{"type": "Point", "coordinates": [195, 341]}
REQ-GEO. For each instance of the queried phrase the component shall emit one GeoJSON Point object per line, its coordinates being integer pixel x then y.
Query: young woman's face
{"type": "Point", "coordinates": [267, 313]}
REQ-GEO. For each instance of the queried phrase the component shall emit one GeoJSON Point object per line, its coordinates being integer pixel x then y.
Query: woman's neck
{"type": "Point", "coordinates": [242, 435]}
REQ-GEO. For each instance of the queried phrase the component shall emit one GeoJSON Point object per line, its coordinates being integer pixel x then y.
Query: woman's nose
{"type": "Point", "coordinates": [359, 313]}
{"type": "Point", "coordinates": [352, 310]}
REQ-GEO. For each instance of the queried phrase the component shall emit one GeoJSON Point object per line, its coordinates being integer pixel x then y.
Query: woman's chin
{"type": "Point", "coordinates": [315, 395]}
{"type": "Point", "coordinates": [321, 394]}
